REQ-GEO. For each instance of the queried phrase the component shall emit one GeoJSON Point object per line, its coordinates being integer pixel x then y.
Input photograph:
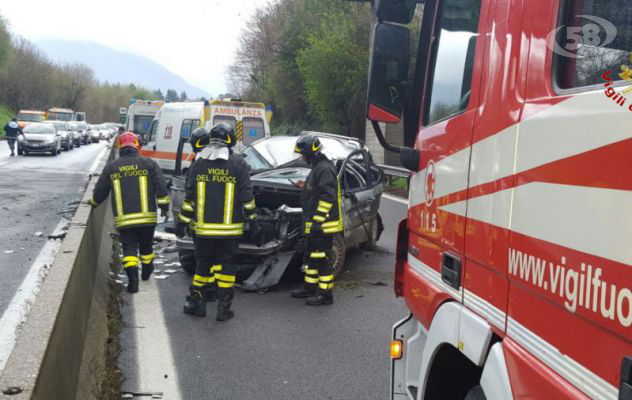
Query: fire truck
{"type": "Point", "coordinates": [515, 260]}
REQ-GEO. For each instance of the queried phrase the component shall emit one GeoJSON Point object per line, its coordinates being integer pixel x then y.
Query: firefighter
{"type": "Point", "coordinates": [322, 219]}
{"type": "Point", "coordinates": [219, 200]}
{"type": "Point", "coordinates": [138, 188]}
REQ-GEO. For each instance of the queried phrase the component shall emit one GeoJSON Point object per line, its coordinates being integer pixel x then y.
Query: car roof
{"type": "Point", "coordinates": [332, 136]}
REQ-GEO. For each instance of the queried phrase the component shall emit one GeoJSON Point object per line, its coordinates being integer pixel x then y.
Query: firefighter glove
{"type": "Point", "coordinates": [181, 228]}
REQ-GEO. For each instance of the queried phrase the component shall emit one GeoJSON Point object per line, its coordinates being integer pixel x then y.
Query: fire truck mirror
{"type": "Point", "coordinates": [388, 73]}
{"type": "Point", "coordinates": [399, 11]}
{"type": "Point", "coordinates": [409, 158]}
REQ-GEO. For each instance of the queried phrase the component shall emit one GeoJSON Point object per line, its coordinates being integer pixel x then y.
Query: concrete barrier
{"type": "Point", "coordinates": [61, 342]}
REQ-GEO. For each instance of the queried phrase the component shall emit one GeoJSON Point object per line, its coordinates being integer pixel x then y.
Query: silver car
{"type": "Point", "coordinates": [66, 135]}
{"type": "Point", "coordinates": [39, 138]}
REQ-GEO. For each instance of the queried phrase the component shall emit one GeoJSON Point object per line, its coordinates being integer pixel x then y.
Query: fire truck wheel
{"type": "Point", "coordinates": [476, 393]}
{"type": "Point", "coordinates": [187, 260]}
{"type": "Point", "coordinates": [339, 253]}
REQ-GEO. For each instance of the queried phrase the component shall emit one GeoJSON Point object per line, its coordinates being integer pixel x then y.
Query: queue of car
{"type": "Point", "coordinates": [53, 137]}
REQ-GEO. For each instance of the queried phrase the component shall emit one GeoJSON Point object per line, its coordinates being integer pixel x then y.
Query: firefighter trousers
{"type": "Point", "coordinates": [214, 264]}
{"type": "Point", "coordinates": [137, 241]}
{"type": "Point", "coordinates": [317, 258]}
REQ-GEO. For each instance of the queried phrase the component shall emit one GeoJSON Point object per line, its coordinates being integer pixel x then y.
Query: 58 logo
{"type": "Point", "coordinates": [590, 34]}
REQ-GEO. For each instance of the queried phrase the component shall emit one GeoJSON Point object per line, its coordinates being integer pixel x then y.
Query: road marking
{"type": "Point", "coordinates": [17, 311]}
{"type": "Point", "coordinates": [156, 369]}
{"type": "Point", "coordinates": [395, 198]}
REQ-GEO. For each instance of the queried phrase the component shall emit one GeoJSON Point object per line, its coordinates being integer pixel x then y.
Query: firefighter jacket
{"type": "Point", "coordinates": [321, 198]}
{"type": "Point", "coordinates": [219, 197]}
{"type": "Point", "coordinates": [137, 187]}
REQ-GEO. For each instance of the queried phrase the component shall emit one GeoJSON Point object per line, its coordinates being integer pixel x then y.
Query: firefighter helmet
{"type": "Point", "coordinates": [308, 146]}
{"type": "Point", "coordinates": [128, 139]}
{"type": "Point", "coordinates": [199, 139]}
{"type": "Point", "coordinates": [223, 133]}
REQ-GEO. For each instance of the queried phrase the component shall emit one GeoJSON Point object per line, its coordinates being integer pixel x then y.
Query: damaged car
{"type": "Point", "coordinates": [278, 175]}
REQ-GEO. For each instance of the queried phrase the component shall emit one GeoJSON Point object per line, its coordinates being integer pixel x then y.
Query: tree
{"type": "Point", "coordinates": [183, 96]}
{"type": "Point", "coordinates": [171, 96]}
{"type": "Point", "coordinates": [158, 95]}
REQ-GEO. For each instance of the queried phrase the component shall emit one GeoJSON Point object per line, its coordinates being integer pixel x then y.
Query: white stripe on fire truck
{"type": "Point", "coordinates": [545, 137]}
{"type": "Point", "coordinates": [432, 276]}
{"type": "Point", "coordinates": [590, 220]}
{"type": "Point", "coordinates": [569, 369]}
{"type": "Point", "coordinates": [485, 309]}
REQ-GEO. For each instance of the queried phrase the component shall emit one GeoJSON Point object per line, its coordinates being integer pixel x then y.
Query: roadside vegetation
{"type": "Point", "coordinates": [29, 80]}
{"type": "Point", "coordinates": [397, 187]}
{"type": "Point", "coordinates": [309, 60]}
{"type": "Point", "coordinates": [5, 116]}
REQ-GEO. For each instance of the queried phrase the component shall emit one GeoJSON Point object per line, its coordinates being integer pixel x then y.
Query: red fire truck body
{"type": "Point", "coordinates": [516, 257]}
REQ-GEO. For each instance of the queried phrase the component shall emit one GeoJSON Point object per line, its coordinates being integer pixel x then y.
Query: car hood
{"type": "Point", "coordinates": [281, 176]}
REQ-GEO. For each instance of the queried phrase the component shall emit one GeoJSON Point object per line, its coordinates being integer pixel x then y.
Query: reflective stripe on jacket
{"type": "Point", "coordinates": [137, 186]}
{"type": "Point", "coordinates": [219, 197]}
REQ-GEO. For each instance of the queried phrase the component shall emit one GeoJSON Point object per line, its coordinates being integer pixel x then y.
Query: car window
{"type": "Point", "coordinates": [277, 151]}
{"type": "Point", "coordinates": [354, 176]}
{"type": "Point", "coordinates": [142, 124]}
{"type": "Point", "coordinates": [254, 129]}
{"type": "Point", "coordinates": [152, 131]}
{"type": "Point", "coordinates": [43, 129]}
{"type": "Point", "coordinates": [225, 118]}
{"type": "Point", "coordinates": [452, 61]}
{"type": "Point", "coordinates": [188, 126]}
{"type": "Point", "coordinates": [254, 160]}
{"type": "Point", "coordinates": [587, 51]}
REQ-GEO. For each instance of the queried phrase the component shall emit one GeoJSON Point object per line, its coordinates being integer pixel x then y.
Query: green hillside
{"type": "Point", "coordinates": [5, 115]}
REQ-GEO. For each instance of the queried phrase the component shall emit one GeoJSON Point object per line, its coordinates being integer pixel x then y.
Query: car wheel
{"type": "Point", "coordinates": [375, 228]}
{"type": "Point", "coordinates": [53, 152]}
{"type": "Point", "coordinates": [339, 253]}
{"type": "Point", "coordinates": [20, 152]}
{"type": "Point", "coordinates": [187, 260]}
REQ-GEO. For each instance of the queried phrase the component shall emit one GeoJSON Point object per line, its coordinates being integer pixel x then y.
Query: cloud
{"type": "Point", "coordinates": [196, 39]}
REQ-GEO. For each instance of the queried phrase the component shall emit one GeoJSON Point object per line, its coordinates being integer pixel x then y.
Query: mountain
{"type": "Point", "coordinates": [118, 66]}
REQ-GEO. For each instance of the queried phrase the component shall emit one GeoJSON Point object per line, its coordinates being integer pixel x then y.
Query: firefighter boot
{"type": "Point", "coordinates": [305, 291]}
{"type": "Point", "coordinates": [211, 293]}
{"type": "Point", "coordinates": [148, 269]}
{"type": "Point", "coordinates": [132, 277]}
{"type": "Point", "coordinates": [224, 301]}
{"type": "Point", "coordinates": [195, 303]}
{"type": "Point", "coordinates": [322, 298]}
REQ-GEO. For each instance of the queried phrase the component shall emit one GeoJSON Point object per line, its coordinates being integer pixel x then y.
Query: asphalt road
{"type": "Point", "coordinates": [276, 347]}
{"type": "Point", "coordinates": [35, 191]}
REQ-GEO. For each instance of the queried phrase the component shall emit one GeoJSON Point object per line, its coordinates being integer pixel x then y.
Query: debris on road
{"type": "Point", "coordinates": [8, 251]}
{"type": "Point", "coordinates": [39, 234]}
{"type": "Point", "coordinates": [161, 276]}
{"type": "Point", "coordinates": [379, 284]}
{"type": "Point", "coordinates": [170, 271]}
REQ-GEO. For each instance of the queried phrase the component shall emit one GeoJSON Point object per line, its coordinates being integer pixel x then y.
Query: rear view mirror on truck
{"type": "Point", "coordinates": [400, 11]}
{"type": "Point", "coordinates": [388, 73]}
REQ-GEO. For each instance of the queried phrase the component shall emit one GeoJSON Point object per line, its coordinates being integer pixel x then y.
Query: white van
{"type": "Point", "coordinates": [177, 120]}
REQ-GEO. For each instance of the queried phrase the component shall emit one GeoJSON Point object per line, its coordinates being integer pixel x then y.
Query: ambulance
{"type": "Point", "coordinates": [515, 259]}
{"type": "Point", "coordinates": [176, 121]}
{"type": "Point", "coordinates": [140, 114]}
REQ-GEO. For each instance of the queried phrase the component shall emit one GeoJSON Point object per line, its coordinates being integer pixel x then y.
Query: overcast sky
{"type": "Point", "coordinates": [195, 39]}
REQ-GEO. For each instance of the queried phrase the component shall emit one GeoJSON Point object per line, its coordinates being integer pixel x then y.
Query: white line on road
{"type": "Point", "coordinates": [156, 369]}
{"type": "Point", "coordinates": [395, 198]}
{"type": "Point", "coordinates": [17, 311]}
